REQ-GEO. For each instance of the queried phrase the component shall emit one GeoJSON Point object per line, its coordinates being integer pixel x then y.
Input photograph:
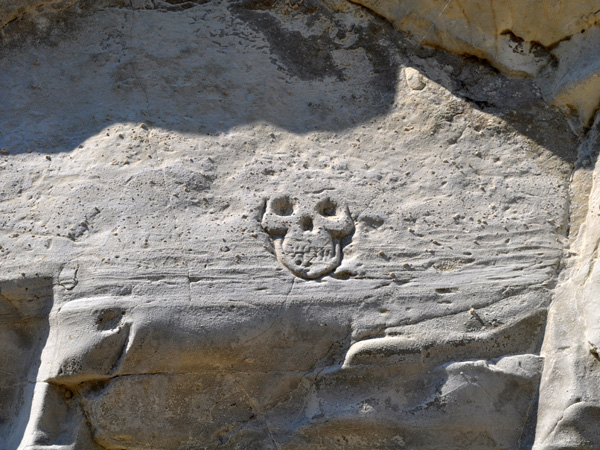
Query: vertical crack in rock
{"type": "Point", "coordinates": [258, 411]}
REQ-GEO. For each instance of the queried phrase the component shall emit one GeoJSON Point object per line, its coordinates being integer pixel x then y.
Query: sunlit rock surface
{"type": "Point", "coordinates": [555, 42]}
{"type": "Point", "coordinates": [267, 225]}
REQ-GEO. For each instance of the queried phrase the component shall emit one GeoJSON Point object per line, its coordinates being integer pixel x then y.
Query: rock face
{"type": "Point", "coordinates": [11, 10]}
{"type": "Point", "coordinates": [555, 42]}
{"type": "Point", "coordinates": [257, 224]}
{"type": "Point", "coordinates": [569, 400]}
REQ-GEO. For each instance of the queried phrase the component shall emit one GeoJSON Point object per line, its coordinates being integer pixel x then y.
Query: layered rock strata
{"type": "Point", "coordinates": [269, 225]}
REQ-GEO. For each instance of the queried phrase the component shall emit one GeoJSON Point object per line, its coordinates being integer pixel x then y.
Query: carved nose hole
{"type": "Point", "coordinates": [306, 224]}
{"type": "Point", "coordinates": [327, 208]}
{"type": "Point", "coordinates": [283, 206]}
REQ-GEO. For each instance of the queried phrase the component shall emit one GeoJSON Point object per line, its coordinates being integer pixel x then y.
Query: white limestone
{"type": "Point", "coordinates": [257, 225]}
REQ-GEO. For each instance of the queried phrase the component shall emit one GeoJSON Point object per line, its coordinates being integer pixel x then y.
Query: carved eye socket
{"type": "Point", "coordinates": [282, 206]}
{"type": "Point", "coordinates": [327, 208]}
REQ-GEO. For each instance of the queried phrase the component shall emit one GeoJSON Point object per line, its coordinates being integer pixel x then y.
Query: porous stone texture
{"type": "Point", "coordinates": [255, 224]}
{"type": "Point", "coordinates": [569, 399]}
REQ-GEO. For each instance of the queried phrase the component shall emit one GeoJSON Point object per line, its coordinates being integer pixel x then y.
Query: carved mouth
{"type": "Point", "coordinates": [308, 261]}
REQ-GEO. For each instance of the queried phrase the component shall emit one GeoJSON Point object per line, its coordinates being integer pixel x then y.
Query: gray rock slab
{"type": "Point", "coordinates": [397, 296]}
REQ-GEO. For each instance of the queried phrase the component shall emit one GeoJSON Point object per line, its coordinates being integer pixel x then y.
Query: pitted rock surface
{"type": "Point", "coordinates": [250, 224]}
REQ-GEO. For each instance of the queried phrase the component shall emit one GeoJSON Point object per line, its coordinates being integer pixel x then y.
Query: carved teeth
{"type": "Point", "coordinates": [300, 250]}
{"type": "Point", "coordinates": [310, 255]}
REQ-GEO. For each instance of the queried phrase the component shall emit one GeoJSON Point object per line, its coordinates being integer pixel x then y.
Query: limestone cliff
{"type": "Point", "coordinates": [262, 224]}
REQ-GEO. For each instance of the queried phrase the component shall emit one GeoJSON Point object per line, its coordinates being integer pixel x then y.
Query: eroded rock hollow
{"type": "Point", "coordinates": [255, 224]}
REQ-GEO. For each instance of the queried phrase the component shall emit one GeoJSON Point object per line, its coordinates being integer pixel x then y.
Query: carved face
{"type": "Point", "coordinates": [306, 233]}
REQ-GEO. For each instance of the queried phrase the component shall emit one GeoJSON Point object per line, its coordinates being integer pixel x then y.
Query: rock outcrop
{"type": "Point", "coordinates": [555, 42]}
{"type": "Point", "coordinates": [250, 224]}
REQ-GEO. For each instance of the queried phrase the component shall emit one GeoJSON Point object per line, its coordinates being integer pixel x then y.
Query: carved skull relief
{"type": "Point", "coordinates": [307, 233]}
